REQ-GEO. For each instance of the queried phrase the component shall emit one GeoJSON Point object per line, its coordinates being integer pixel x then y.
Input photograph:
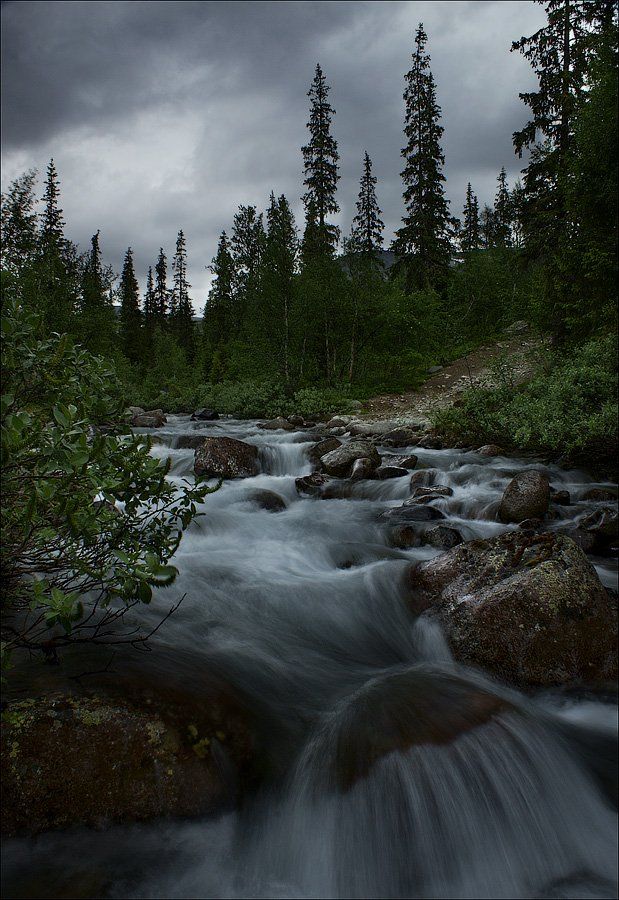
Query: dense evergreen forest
{"type": "Point", "coordinates": [306, 310]}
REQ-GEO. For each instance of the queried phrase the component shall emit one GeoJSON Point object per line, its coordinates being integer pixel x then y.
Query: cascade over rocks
{"type": "Point", "coordinates": [224, 457]}
{"type": "Point", "coordinates": [527, 496]}
{"type": "Point", "coordinates": [393, 713]}
{"type": "Point", "coordinates": [528, 607]}
{"type": "Point", "coordinates": [339, 462]}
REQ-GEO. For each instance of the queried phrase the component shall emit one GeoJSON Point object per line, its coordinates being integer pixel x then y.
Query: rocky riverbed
{"type": "Point", "coordinates": [415, 653]}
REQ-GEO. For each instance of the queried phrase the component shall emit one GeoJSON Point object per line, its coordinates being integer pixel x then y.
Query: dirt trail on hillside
{"type": "Point", "coordinates": [520, 350]}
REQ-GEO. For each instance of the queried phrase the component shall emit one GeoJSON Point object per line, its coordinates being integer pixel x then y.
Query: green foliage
{"type": "Point", "coordinates": [90, 522]}
{"type": "Point", "coordinates": [571, 407]}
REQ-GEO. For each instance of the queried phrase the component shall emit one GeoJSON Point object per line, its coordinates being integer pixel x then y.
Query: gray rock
{"type": "Point", "coordinates": [490, 450]}
{"type": "Point", "coordinates": [224, 457]}
{"type": "Point", "coordinates": [427, 494]}
{"type": "Point", "coordinates": [527, 496]}
{"type": "Point", "coordinates": [320, 448]}
{"type": "Point", "coordinates": [404, 536]}
{"type": "Point", "coordinates": [268, 500]}
{"type": "Point", "coordinates": [406, 436]}
{"type": "Point", "coordinates": [424, 477]}
{"type": "Point", "coordinates": [297, 421]}
{"type": "Point", "coordinates": [434, 369]}
{"type": "Point", "coordinates": [384, 472]}
{"type": "Point", "coordinates": [277, 424]}
{"type": "Point", "coordinates": [562, 498]}
{"type": "Point", "coordinates": [362, 469]}
{"type": "Point", "coordinates": [442, 537]}
{"type": "Point", "coordinates": [205, 415]}
{"type": "Point", "coordinates": [413, 514]}
{"type": "Point", "coordinates": [339, 462]}
{"type": "Point", "coordinates": [312, 485]}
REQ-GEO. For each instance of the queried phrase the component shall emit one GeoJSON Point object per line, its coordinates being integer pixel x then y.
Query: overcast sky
{"type": "Point", "coordinates": [168, 115]}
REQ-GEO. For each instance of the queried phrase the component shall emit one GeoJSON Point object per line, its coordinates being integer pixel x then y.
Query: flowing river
{"type": "Point", "coordinates": [302, 611]}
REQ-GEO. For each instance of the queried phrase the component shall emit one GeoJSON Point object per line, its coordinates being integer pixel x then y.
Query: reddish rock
{"type": "Point", "coordinates": [527, 496]}
{"type": "Point", "coordinates": [224, 457]}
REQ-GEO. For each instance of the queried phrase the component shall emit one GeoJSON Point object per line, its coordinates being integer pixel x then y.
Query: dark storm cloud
{"type": "Point", "coordinates": [163, 115]}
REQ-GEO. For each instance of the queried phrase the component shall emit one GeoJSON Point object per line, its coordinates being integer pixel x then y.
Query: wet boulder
{"type": "Point", "coordinates": [424, 478]}
{"type": "Point", "coordinates": [601, 524]}
{"type": "Point", "coordinates": [277, 424]}
{"type": "Point", "coordinates": [189, 441]}
{"type": "Point", "coordinates": [312, 485]}
{"type": "Point", "coordinates": [224, 457]}
{"type": "Point", "coordinates": [561, 498]}
{"type": "Point", "coordinates": [599, 495]}
{"type": "Point", "coordinates": [296, 420]}
{"type": "Point", "coordinates": [490, 450]}
{"type": "Point", "coordinates": [405, 462]}
{"type": "Point", "coordinates": [527, 496]}
{"type": "Point", "coordinates": [405, 436]}
{"type": "Point", "coordinates": [204, 415]}
{"type": "Point", "coordinates": [267, 500]}
{"type": "Point", "coordinates": [337, 422]}
{"type": "Point", "coordinates": [442, 537]}
{"type": "Point", "coordinates": [428, 494]}
{"type": "Point", "coordinates": [382, 473]}
{"type": "Point", "coordinates": [403, 537]}
{"type": "Point", "coordinates": [153, 418]}
{"type": "Point", "coordinates": [412, 513]}
{"type": "Point", "coordinates": [363, 469]}
{"type": "Point", "coordinates": [339, 462]}
{"type": "Point", "coordinates": [321, 448]}
{"type": "Point", "coordinates": [528, 607]}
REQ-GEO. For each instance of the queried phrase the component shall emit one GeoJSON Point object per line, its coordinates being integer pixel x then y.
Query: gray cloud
{"type": "Point", "coordinates": [162, 115]}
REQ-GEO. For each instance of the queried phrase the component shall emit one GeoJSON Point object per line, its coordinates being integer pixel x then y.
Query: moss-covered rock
{"type": "Point", "coordinates": [528, 607]}
{"type": "Point", "coordinates": [69, 761]}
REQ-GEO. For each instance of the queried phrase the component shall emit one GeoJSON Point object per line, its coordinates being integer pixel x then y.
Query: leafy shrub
{"type": "Point", "coordinates": [570, 408]}
{"type": "Point", "coordinates": [90, 521]}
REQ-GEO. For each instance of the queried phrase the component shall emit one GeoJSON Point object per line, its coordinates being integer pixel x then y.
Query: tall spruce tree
{"type": "Point", "coordinates": [320, 159]}
{"type": "Point", "coordinates": [130, 316]}
{"type": "Point", "coordinates": [423, 241]}
{"type": "Point", "coordinates": [181, 308]}
{"type": "Point", "coordinates": [57, 264]}
{"type": "Point", "coordinates": [279, 265]}
{"type": "Point", "coordinates": [18, 224]}
{"type": "Point", "coordinates": [162, 294]}
{"type": "Point", "coordinates": [247, 246]}
{"type": "Point", "coordinates": [218, 318]}
{"type": "Point", "coordinates": [97, 323]}
{"type": "Point", "coordinates": [367, 225]}
{"type": "Point", "coordinates": [470, 239]}
{"type": "Point", "coordinates": [487, 228]}
{"type": "Point", "coordinates": [503, 212]}
{"type": "Point", "coordinates": [150, 317]}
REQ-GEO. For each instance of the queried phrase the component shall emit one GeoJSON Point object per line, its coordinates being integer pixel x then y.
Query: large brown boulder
{"type": "Point", "coordinates": [339, 462]}
{"type": "Point", "coordinates": [420, 706]}
{"type": "Point", "coordinates": [527, 496]}
{"type": "Point", "coordinates": [91, 761]}
{"type": "Point", "coordinates": [153, 418]}
{"type": "Point", "coordinates": [528, 607]}
{"type": "Point", "coordinates": [224, 457]}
